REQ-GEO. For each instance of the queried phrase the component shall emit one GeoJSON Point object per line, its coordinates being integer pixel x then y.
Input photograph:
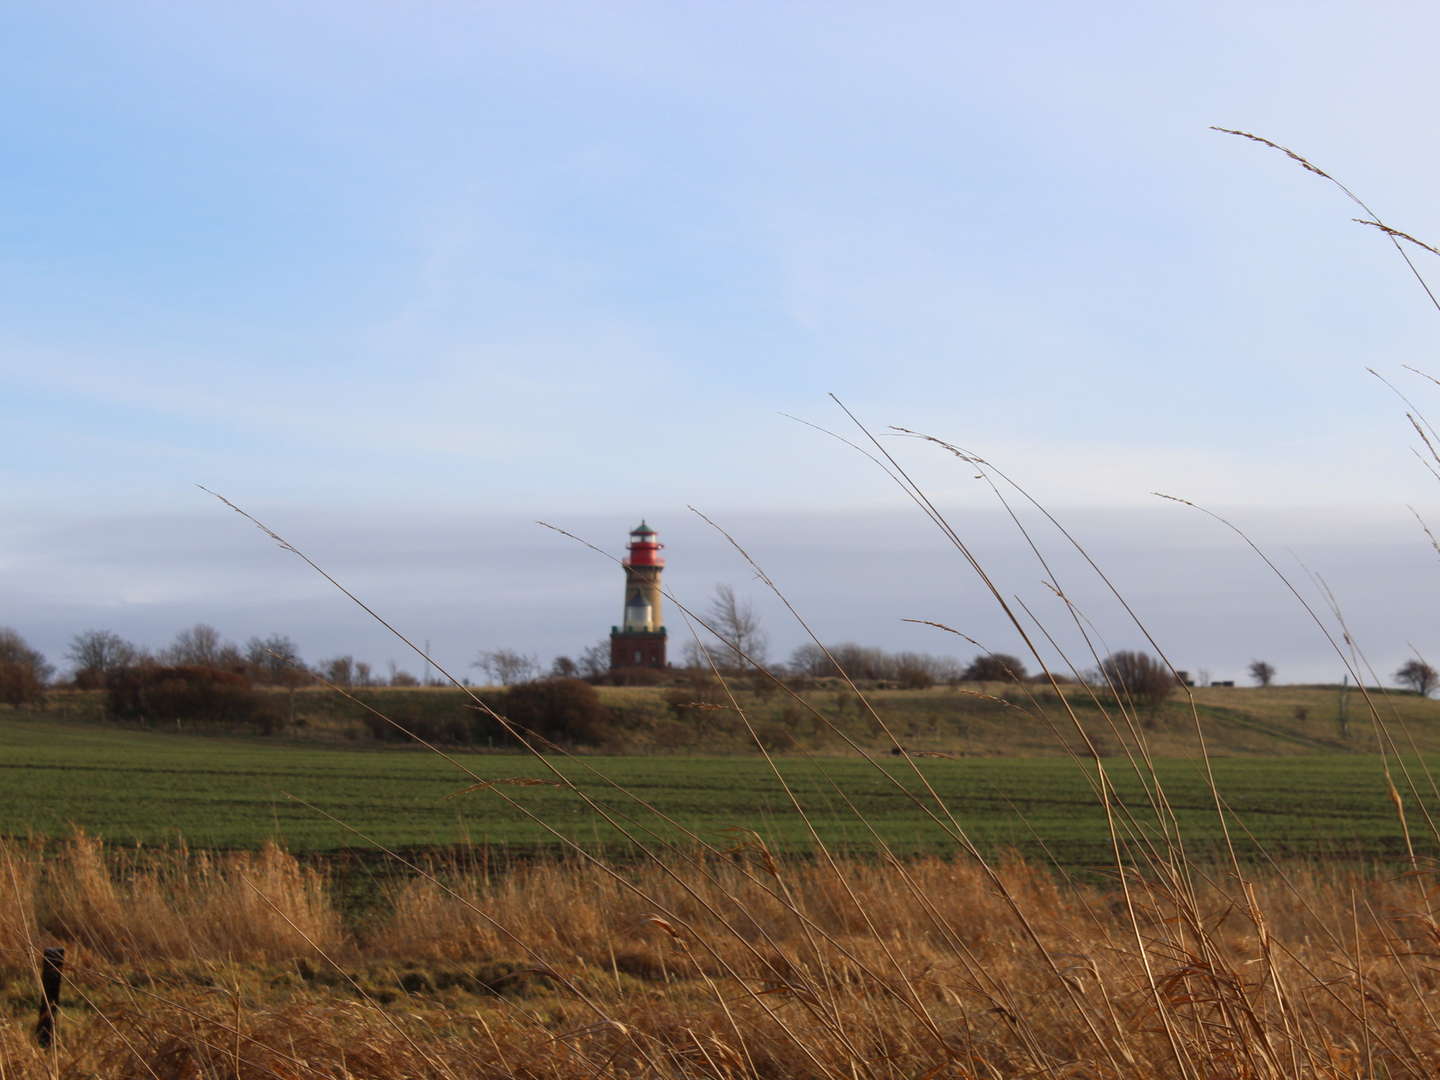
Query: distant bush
{"type": "Point", "coordinates": [19, 684]}
{"type": "Point", "coordinates": [913, 676]}
{"type": "Point", "coordinates": [406, 721]}
{"type": "Point", "coordinates": [23, 670]}
{"type": "Point", "coordinates": [775, 738]}
{"type": "Point", "coordinates": [1142, 678]}
{"type": "Point", "coordinates": [861, 662]}
{"type": "Point", "coordinates": [85, 679]}
{"type": "Point", "coordinates": [563, 710]}
{"type": "Point", "coordinates": [762, 685]}
{"type": "Point", "coordinates": [157, 694]}
{"type": "Point", "coordinates": [994, 667]}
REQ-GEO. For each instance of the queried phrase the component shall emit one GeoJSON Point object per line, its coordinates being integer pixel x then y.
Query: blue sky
{"type": "Point", "coordinates": [378, 271]}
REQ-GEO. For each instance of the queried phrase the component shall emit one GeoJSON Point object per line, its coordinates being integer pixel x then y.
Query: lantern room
{"type": "Point", "coordinates": [644, 548]}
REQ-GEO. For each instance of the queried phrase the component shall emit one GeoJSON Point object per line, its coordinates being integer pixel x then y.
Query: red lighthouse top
{"type": "Point", "coordinates": [644, 548]}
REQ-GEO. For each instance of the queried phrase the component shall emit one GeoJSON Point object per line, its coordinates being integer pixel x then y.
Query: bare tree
{"type": "Point", "coordinates": [595, 661]}
{"type": "Point", "coordinates": [275, 661]}
{"type": "Point", "coordinates": [916, 671]}
{"type": "Point", "coordinates": [1145, 680]}
{"type": "Point", "coordinates": [202, 646]}
{"type": "Point", "coordinates": [1419, 676]}
{"type": "Point", "coordinates": [810, 659]}
{"type": "Point", "coordinates": [339, 670]}
{"type": "Point", "coordinates": [695, 656]}
{"type": "Point", "coordinates": [506, 666]}
{"type": "Point", "coordinates": [564, 668]}
{"type": "Point", "coordinates": [863, 662]}
{"type": "Point", "coordinates": [97, 653]}
{"type": "Point", "coordinates": [737, 626]}
{"type": "Point", "coordinates": [1262, 672]}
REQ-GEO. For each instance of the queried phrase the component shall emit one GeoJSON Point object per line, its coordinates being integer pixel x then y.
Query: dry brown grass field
{"type": "Point", "coordinates": [732, 966]}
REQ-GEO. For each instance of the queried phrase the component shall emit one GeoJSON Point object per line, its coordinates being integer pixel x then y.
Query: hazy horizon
{"type": "Point", "coordinates": [467, 582]}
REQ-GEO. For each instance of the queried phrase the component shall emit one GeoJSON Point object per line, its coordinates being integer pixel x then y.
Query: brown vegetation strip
{"type": "Point", "coordinates": [200, 966]}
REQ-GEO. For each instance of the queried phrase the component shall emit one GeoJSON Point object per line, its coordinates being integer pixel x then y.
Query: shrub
{"type": "Point", "coordinates": [994, 667]}
{"type": "Point", "coordinates": [563, 710]}
{"type": "Point", "coordinates": [775, 738]}
{"type": "Point", "coordinates": [1040, 678]}
{"type": "Point", "coordinates": [23, 671]}
{"type": "Point", "coordinates": [910, 676]}
{"type": "Point", "coordinates": [152, 693]}
{"type": "Point", "coordinates": [88, 679]}
{"type": "Point", "coordinates": [1145, 680]}
{"type": "Point", "coordinates": [761, 685]}
{"type": "Point", "coordinates": [19, 685]}
{"type": "Point", "coordinates": [451, 728]}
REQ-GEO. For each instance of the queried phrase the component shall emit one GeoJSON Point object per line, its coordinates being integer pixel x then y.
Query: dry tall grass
{"type": "Point", "coordinates": [248, 907]}
{"type": "Point", "coordinates": [196, 966]}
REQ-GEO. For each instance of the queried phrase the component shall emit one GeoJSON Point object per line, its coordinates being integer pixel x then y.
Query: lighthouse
{"type": "Point", "coordinates": [639, 640]}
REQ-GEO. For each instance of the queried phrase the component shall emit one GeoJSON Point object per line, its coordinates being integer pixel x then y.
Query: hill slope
{"type": "Point", "coordinates": [986, 720]}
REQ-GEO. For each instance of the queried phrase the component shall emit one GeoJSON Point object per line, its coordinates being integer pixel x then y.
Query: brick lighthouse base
{"type": "Point", "coordinates": [636, 648]}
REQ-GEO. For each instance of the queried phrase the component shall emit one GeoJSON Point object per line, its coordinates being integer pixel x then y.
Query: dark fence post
{"type": "Point", "coordinates": [51, 970]}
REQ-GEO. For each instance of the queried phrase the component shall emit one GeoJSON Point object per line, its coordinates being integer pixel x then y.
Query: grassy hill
{"type": "Point", "coordinates": [1234, 720]}
{"type": "Point", "coordinates": [986, 720]}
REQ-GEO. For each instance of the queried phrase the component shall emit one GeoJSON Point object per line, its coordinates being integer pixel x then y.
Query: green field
{"type": "Point", "coordinates": [154, 788]}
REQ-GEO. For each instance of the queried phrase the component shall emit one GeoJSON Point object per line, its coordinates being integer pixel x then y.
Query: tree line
{"type": "Point", "coordinates": [734, 643]}
{"type": "Point", "coordinates": [97, 657]}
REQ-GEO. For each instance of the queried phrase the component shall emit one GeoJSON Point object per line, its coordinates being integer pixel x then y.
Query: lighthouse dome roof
{"type": "Point", "coordinates": [642, 530]}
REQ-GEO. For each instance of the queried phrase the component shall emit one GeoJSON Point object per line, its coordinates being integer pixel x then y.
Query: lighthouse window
{"type": "Point", "coordinates": [637, 656]}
